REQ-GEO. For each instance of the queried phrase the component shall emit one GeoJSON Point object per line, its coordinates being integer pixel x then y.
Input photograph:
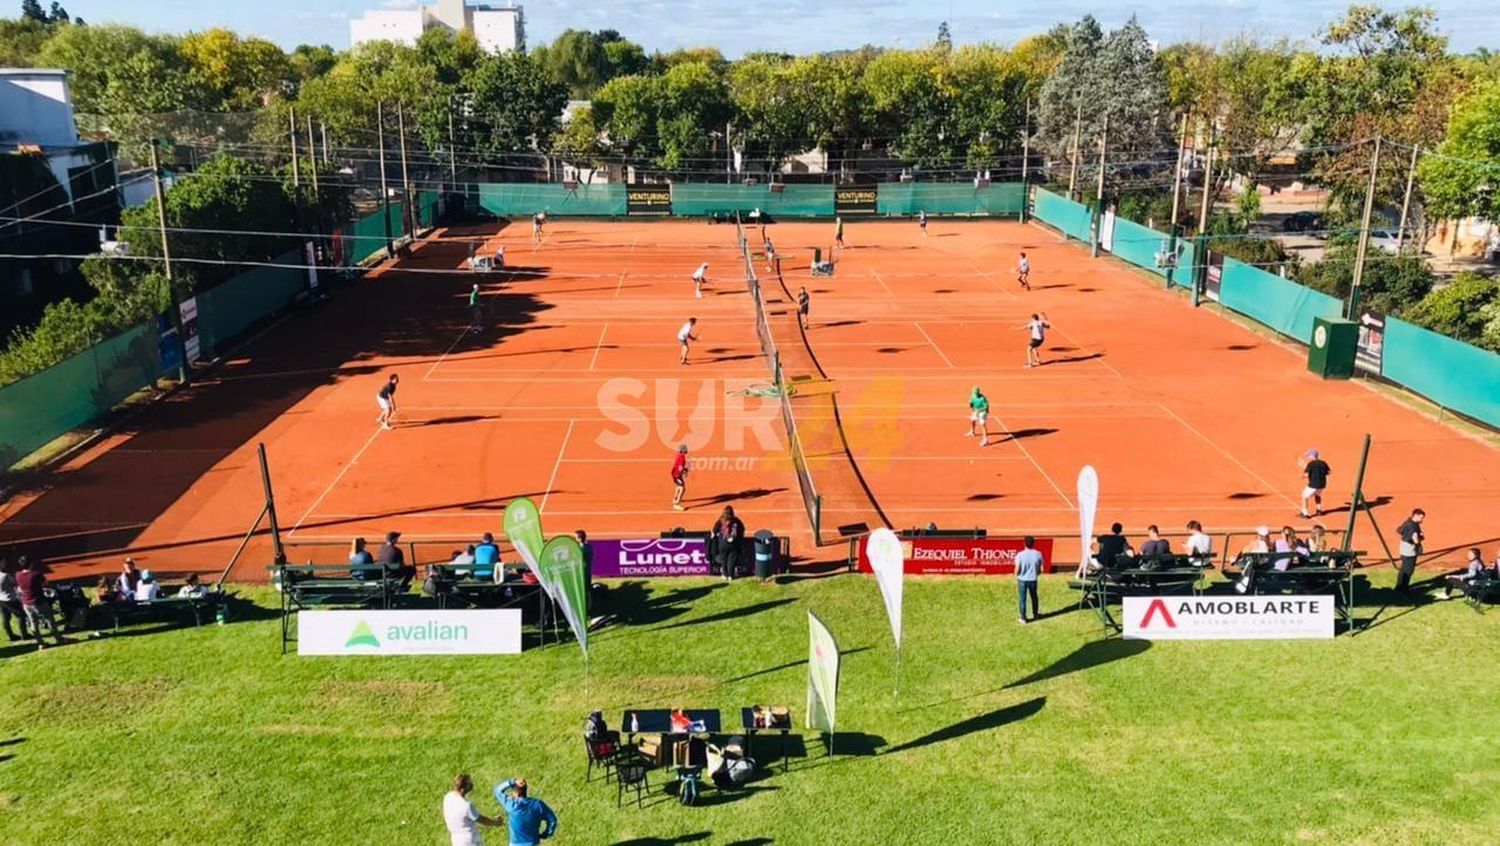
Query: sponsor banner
{"type": "Point", "coordinates": [939, 556]}
{"type": "Point", "coordinates": [489, 631]}
{"type": "Point", "coordinates": [311, 250]}
{"type": "Point", "coordinates": [562, 562]}
{"type": "Point", "coordinates": [168, 345]}
{"type": "Point", "coordinates": [855, 199]}
{"type": "Point", "coordinates": [1228, 618]}
{"type": "Point", "coordinates": [648, 199]}
{"type": "Point", "coordinates": [1213, 276]}
{"type": "Point", "coordinates": [886, 558]}
{"type": "Point", "coordinates": [650, 558]}
{"type": "Point", "coordinates": [188, 311]}
{"type": "Point", "coordinates": [822, 676]}
{"type": "Point", "coordinates": [1369, 353]}
{"type": "Point", "coordinates": [523, 526]}
{"type": "Point", "coordinates": [1107, 231]}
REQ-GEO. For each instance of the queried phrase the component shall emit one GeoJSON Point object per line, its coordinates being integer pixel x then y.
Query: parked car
{"type": "Point", "coordinates": [1384, 239]}
{"type": "Point", "coordinates": [1302, 221]}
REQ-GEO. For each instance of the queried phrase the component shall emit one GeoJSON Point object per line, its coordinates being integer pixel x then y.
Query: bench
{"type": "Point", "coordinates": [1476, 592]}
{"type": "Point", "coordinates": [198, 608]}
{"type": "Point", "coordinates": [306, 586]}
{"type": "Point", "coordinates": [457, 582]}
{"type": "Point", "coordinates": [1140, 575]}
{"type": "Point", "coordinates": [1331, 571]}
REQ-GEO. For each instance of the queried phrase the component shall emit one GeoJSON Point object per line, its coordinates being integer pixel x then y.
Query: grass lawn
{"type": "Point", "coordinates": [1001, 733]}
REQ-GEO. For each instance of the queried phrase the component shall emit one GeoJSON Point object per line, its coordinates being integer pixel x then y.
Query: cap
{"type": "Point", "coordinates": [1263, 531]}
{"type": "Point", "coordinates": [1312, 453]}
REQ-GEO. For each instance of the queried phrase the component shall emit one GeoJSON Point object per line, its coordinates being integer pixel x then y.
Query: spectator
{"type": "Point", "coordinates": [1474, 570]}
{"type": "Point", "coordinates": [105, 592]}
{"type": "Point", "coordinates": [129, 578]}
{"type": "Point", "coordinates": [193, 589]}
{"type": "Point", "coordinates": [460, 815]}
{"type": "Point", "coordinates": [1155, 544]}
{"type": "Point", "coordinates": [31, 583]}
{"type": "Point", "coordinates": [359, 560]}
{"type": "Point", "coordinates": [1199, 545]}
{"type": "Point", "coordinates": [1316, 472]}
{"type": "Point", "coordinates": [1411, 546]}
{"type": "Point", "coordinates": [1262, 542]}
{"type": "Point", "coordinates": [588, 556]}
{"type": "Point", "coordinates": [393, 561]}
{"type": "Point", "coordinates": [1110, 548]}
{"type": "Point", "coordinates": [464, 556]}
{"type": "Point", "coordinates": [531, 821]}
{"type": "Point", "coordinates": [729, 536]}
{"type": "Point", "coordinates": [147, 588]}
{"type": "Point", "coordinates": [10, 602]}
{"type": "Point", "coordinates": [486, 557]}
{"type": "Point", "coordinates": [1029, 562]}
{"type": "Point", "coordinates": [1289, 542]}
{"type": "Point", "coordinates": [1317, 540]}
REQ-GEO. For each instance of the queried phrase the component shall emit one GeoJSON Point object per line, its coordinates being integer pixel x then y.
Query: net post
{"type": "Point", "coordinates": [1357, 499]}
{"type": "Point", "coordinates": [265, 478]}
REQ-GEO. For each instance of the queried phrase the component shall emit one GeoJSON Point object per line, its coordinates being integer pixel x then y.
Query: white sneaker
{"type": "Point", "coordinates": [969, 434]}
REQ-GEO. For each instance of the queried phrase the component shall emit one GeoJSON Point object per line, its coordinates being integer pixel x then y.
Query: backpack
{"type": "Point", "coordinates": [739, 770]}
{"type": "Point", "coordinates": [687, 788]}
{"type": "Point", "coordinates": [594, 727]}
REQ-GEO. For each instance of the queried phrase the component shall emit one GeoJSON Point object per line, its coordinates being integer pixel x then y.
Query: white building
{"type": "Point", "coordinates": [36, 118]}
{"type": "Point", "coordinates": [496, 28]}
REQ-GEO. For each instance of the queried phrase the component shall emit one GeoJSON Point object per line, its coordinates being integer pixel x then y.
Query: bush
{"type": "Point", "coordinates": [1391, 283]}
{"type": "Point", "coordinates": [1457, 309]}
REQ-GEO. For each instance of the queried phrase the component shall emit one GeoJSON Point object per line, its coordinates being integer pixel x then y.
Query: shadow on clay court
{"type": "Point", "coordinates": [752, 493]}
{"type": "Point", "coordinates": [172, 443]}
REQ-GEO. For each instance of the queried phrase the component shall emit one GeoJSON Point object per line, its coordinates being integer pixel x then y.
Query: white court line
{"type": "Point", "coordinates": [557, 465]}
{"type": "Point", "coordinates": [933, 343]}
{"type": "Point", "coordinates": [1224, 452]}
{"type": "Point", "coordinates": [598, 346]}
{"type": "Point", "coordinates": [1106, 409]}
{"type": "Point", "coordinates": [435, 364]}
{"type": "Point", "coordinates": [882, 282]}
{"type": "Point", "coordinates": [1029, 457]}
{"type": "Point", "coordinates": [336, 479]}
{"type": "Point", "coordinates": [700, 463]}
{"type": "Point", "coordinates": [877, 375]}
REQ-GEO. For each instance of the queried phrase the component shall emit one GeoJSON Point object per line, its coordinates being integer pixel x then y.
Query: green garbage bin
{"type": "Point", "coordinates": [1331, 353]}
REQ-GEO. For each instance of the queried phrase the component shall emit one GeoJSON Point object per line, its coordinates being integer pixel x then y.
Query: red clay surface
{"type": "Point", "coordinates": [572, 395]}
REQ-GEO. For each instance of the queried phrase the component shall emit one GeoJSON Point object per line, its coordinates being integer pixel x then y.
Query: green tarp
{"type": "Point", "coordinates": [1279, 303]}
{"type": "Point", "coordinates": [1451, 373]}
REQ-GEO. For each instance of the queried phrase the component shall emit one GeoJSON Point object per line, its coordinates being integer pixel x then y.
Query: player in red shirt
{"type": "Point", "coordinates": [679, 477]}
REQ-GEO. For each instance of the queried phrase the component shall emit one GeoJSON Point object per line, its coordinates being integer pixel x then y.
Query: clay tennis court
{"type": "Point", "coordinates": [572, 395]}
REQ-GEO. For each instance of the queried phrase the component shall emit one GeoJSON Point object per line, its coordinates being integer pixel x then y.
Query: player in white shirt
{"type": "Point", "coordinates": [685, 335]}
{"type": "Point", "coordinates": [460, 815]}
{"type": "Point", "coordinates": [1023, 272]}
{"type": "Point", "coordinates": [1038, 327]}
{"type": "Point", "coordinates": [699, 277]}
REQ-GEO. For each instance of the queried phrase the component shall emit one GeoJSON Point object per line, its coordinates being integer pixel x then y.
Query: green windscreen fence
{"type": "Point", "coordinates": [427, 208]}
{"type": "Point", "coordinates": [227, 310]}
{"type": "Point", "coordinates": [1279, 303]}
{"type": "Point", "coordinates": [1451, 373]}
{"type": "Point", "coordinates": [1139, 245]}
{"type": "Point", "coordinates": [1073, 219]}
{"type": "Point", "coordinates": [366, 236]}
{"type": "Point", "coordinates": [692, 199]}
{"type": "Point", "coordinates": [959, 198]}
{"type": "Point", "coordinates": [528, 199]}
{"type": "Point", "coordinates": [44, 406]}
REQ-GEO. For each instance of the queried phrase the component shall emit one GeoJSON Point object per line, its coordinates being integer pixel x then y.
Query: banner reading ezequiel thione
{"type": "Point", "coordinates": [1228, 618]}
{"type": "Point", "coordinates": [940, 556]}
{"type": "Point", "coordinates": [649, 557]}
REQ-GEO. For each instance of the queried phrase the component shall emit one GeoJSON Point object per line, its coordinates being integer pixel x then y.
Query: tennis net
{"type": "Point", "coordinates": [811, 500]}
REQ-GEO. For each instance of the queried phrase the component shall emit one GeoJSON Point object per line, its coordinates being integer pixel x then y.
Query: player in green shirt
{"type": "Point", "coordinates": [474, 308]}
{"type": "Point", "coordinates": [979, 414]}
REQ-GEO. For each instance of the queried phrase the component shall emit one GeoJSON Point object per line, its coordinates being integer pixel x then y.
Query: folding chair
{"type": "Point", "coordinates": [634, 772]}
{"type": "Point", "coordinates": [605, 754]}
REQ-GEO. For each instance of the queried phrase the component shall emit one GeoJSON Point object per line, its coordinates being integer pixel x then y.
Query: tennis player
{"type": "Point", "coordinates": [679, 477]}
{"type": "Point", "coordinates": [979, 415]}
{"type": "Point", "coordinates": [922, 222]}
{"type": "Point", "coordinates": [538, 220]}
{"type": "Point", "coordinates": [1023, 272]}
{"type": "Point", "coordinates": [804, 304]}
{"type": "Point", "coordinates": [838, 232]}
{"type": "Point", "coordinates": [685, 336]}
{"type": "Point", "coordinates": [387, 401]}
{"type": "Point", "coordinates": [475, 309]}
{"type": "Point", "coordinates": [1316, 470]}
{"type": "Point", "coordinates": [1038, 327]}
{"type": "Point", "coordinates": [699, 277]}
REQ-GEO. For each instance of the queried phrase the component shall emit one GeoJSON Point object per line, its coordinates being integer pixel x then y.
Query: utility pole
{"type": "Point", "coordinates": [1099, 192]}
{"type": "Point", "coordinates": [1364, 234]}
{"type": "Point", "coordinates": [1176, 196]}
{"type": "Point", "coordinates": [312, 156]}
{"type": "Point", "coordinates": [323, 128]}
{"type": "Point", "coordinates": [452, 155]}
{"type": "Point", "coordinates": [1411, 177]}
{"type": "Point", "coordinates": [408, 218]}
{"type": "Point", "coordinates": [1208, 184]}
{"type": "Point", "coordinates": [385, 192]}
{"type": "Point", "coordinates": [1025, 160]}
{"type": "Point", "coordinates": [291, 114]}
{"type": "Point", "coordinates": [166, 263]}
{"type": "Point", "coordinates": [728, 155]}
{"type": "Point", "coordinates": [1077, 139]}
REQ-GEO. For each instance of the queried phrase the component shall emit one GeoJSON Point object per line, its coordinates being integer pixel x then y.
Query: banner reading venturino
{"type": "Point", "coordinates": [926, 556]}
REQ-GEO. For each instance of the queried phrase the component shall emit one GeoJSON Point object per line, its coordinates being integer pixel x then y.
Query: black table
{"type": "Point", "coordinates": [1142, 576]}
{"type": "Point", "coordinates": [1317, 572]}
{"type": "Point", "coordinates": [747, 722]}
{"type": "Point", "coordinates": [659, 721]}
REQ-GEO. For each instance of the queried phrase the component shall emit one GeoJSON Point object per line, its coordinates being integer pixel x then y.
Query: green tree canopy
{"type": "Point", "coordinates": [1462, 177]}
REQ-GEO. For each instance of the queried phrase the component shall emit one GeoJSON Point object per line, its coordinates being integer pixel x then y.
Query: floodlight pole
{"type": "Point", "coordinates": [408, 218]}
{"type": "Point", "coordinates": [174, 310]}
{"type": "Point", "coordinates": [1026, 160]}
{"type": "Point", "coordinates": [385, 192]}
{"type": "Point", "coordinates": [1208, 182]}
{"type": "Point", "coordinates": [312, 156]}
{"type": "Point", "coordinates": [452, 155]}
{"type": "Point", "coordinates": [1099, 192]}
{"type": "Point", "coordinates": [1077, 140]}
{"type": "Point", "coordinates": [1364, 234]}
{"type": "Point", "coordinates": [323, 129]}
{"type": "Point", "coordinates": [1411, 177]}
{"type": "Point", "coordinates": [1176, 196]}
{"type": "Point", "coordinates": [291, 114]}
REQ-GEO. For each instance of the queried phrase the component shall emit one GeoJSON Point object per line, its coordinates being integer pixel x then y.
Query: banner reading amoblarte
{"type": "Point", "coordinates": [1237, 618]}
{"type": "Point", "coordinates": [651, 557]}
{"type": "Point", "coordinates": [492, 631]}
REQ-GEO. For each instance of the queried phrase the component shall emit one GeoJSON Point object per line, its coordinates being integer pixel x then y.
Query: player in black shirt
{"type": "Point", "coordinates": [1316, 471]}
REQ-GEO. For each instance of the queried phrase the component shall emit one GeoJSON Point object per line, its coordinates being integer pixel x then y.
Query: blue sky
{"type": "Point", "coordinates": [797, 26]}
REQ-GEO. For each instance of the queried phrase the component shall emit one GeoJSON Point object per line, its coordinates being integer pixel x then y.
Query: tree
{"type": "Point", "coordinates": [695, 107]}
{"type": "Point", "coordinates": [944, 37]}
{"type": "Point", "coordinates": [627, 108]}
{"type": "Point", "coordinates": [1119, 79]}
{"type": "Point", "coordinates": [234, 74]}
{"type": "Point", "coordinates": [514, 106]}
{"type": "Point", "coordinates": [578, 141]}
{"type": "Point", "coordinates": [57, 14]}
{"type": "Point", "coordinates": [1067, 94]}
{"type": "Point", "coordinates": [348, 97]}
{"type": "Point", "coordinates": [309, 61]}
{"type": "Point", "coordinates": [31, 10]}
{"type": "Point", "coordinates": [1463, 177]}
{"type": "Point", "coordinates": [1456, 309]}
{"type": "Point", "coordinates": [21, 41]}
{"type": "Point", "coordinates": [451, 55]}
